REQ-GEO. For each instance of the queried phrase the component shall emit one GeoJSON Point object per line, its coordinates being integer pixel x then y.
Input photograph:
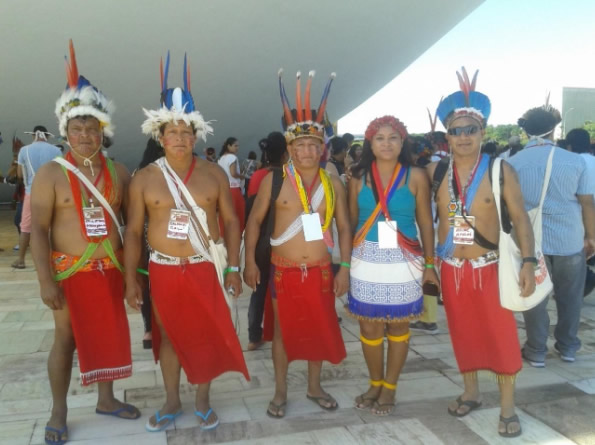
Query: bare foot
{"type": "Point", "coordinates": [254, 345]}
{"type": "Point", "coordinates": [18, 265]}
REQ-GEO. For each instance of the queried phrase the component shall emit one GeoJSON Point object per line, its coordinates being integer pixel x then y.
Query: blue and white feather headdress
{"type": "Point", "coordinates": [177, 104]}
{"type": "Point", "coordinates": [82, 99]}
{"type": "Point", "coordinates": [466, 102]}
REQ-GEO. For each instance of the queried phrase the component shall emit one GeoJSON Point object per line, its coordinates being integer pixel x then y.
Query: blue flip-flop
{"type": "Point", "coordinates": [60, 441]}
{"type": "Point", "coordinates": [169, 417]}
{"type": "Point", "coordinates": [205, 417]}
{"type": "Point", "coordinates": [116, 413]}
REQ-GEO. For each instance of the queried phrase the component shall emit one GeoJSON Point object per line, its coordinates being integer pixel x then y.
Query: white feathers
{"type": "Point", "coordinates": [311, 73]}
{"type": "Point", "coordinates": [176, 99]}
{"type": "Point", "coordinates": [299, 74]}
{"type": "Point", "coordinates": [84, 102]}
{"type": "Point", "coordinates": [333, 75]}
{"type": "Point", "coordinates": [156, 118]}
{"type": "Point", "coordinates": [280, 72]}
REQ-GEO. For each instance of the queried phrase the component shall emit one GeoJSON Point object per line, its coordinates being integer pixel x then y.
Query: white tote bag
{"type": "Point", "coordinates": [510, 262]}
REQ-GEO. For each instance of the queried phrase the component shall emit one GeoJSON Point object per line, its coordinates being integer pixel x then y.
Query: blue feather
{"type": "Point", "coordinates": [166, 72]}
{"type": "Point", "coordinates": [185, 74]}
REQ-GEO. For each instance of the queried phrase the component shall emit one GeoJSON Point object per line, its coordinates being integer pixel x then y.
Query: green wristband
{"type": "Point", "coordinates": [429, 266]}
{"type": "Point", "coordinates": [346, 264]}
{"type": "Point", "coordinates": [143, 271]}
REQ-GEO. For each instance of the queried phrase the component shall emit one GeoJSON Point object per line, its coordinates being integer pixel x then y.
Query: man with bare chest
{"type": "Point", "coordinates": [77, 250]}
{"type": "Point", "coordinates": [180, 195]}
{"type": "Point", "coordinates": [302, 288]}
{"type": "Point", "coordinates": [483, 334]}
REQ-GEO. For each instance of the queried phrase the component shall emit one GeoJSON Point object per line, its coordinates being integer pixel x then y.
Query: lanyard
{"type": "Point", "coordinates": [384, 192]}
{"type": "Point", "coordinates": [462, 192]}
{"type": "Point", "coordinates": [298, 185]}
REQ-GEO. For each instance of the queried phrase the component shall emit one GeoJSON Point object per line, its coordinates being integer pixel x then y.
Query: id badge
{"type": "Point", "coordinates": [312, 227]}
{"type": "Point", "coordinates": [179, 224]}
{"type": "Point", "coordinates": [387, 235]}
{"type": "Point", "coordinates": [463, 231]}
{"type": "Point", "coordinates": [94, 221]}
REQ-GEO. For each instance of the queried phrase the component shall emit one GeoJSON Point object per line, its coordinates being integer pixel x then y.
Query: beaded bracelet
{"type": "Point", "coordinates": [143, 271]}
{"type": "Point", "coordinates": [429, 260]}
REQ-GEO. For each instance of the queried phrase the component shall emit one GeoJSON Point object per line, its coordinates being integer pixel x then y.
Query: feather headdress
{"type": "Point", "coordinates": [177, 104]}
{"type": "Point", "coordinates": [303, 122]}
{"type": "Point", "coordinates": [540, 121]}
{"type": "Point", "coordinates": [82, 99]}
{"type": "Point", "coordinates": [466, 102]}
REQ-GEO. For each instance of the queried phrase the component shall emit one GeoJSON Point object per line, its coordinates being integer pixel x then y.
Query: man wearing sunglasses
{"type": "Point", "coordinates": [483, 334]}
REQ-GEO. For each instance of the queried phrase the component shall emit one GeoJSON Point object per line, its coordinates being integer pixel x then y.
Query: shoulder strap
{"type": "Point", "coordinates": [64, 163]}
{"type": "Point", "coordinates": [275, 190]}
{"type": "Point", "coordinates": [439, 173]}
{"type": "Point", "coordinates": [548, 173]}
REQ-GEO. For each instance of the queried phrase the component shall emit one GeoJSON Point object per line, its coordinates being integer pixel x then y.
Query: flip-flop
{"type": "Point", "coordinates": [156, 428]}
{"type": "Point", "coordinates": [60, 441]}
{"type": "Point", "coordinates": [326, 398]}
{"type": "Point", "coordinates": [18, 266]}
{"type": "Point", "coordinates": [205, 417]}
{"type": "Point", "coordinates": [277, 408]}
{"type": "Point", "coordinates": [364, 399]}
{"type": "Point", "coordinates": [377, 405]}
{"type": "Point", "coordinates": [506, 421]}
{"type": "Point", "coordinates": [116, 413]}
{"type": "Point", "coordinates": [471, 404]}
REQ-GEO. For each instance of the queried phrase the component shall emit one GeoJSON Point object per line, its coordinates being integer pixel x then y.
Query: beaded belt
{"type": "Point", "coordinates": [484, 260]}
{"type": "Point", "coordinates": [62, 261]}
{"type": "Point", "coordinates": [161, 258]}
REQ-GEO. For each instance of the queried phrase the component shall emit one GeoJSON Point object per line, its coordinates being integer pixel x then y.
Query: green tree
{"type": "Point", "coordinates": [501, 133]}
{"type": "Point", "coordinates": [590, 127]}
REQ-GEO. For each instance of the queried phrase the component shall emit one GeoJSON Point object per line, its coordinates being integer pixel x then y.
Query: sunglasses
{"type": "Point", "coordinates": [469, 129]}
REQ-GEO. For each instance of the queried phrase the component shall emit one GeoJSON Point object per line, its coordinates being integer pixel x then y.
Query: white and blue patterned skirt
{"type": "Point", "coordinates": [385, 284]}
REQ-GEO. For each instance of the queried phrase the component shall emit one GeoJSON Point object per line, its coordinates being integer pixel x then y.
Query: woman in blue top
{"type": "Point", "coordinates": [386, 199]}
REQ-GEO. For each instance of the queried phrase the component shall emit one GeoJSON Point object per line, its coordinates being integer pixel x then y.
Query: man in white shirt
{"type": "Point", "coordinates": [31, 158]}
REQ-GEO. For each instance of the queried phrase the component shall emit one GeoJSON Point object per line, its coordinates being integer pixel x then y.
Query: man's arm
{"type": "Point", "coordinates": [520, 220]}
{"type": "Point", "coordinates": [341, 284]}
{"type": "Point", "coordinates": [232, 233]}
{"type": "Point", "coordinates": [588, 210]}
{"type": "Point", "coordinates": [133, 238]}
{"type": "Point", "coordinates": [43, 199]}
{"type": "Point", "coordinates": [252, 231]}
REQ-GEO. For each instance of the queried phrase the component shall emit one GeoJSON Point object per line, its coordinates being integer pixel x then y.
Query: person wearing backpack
{"type": "Point", "coordinates": [483, 333]}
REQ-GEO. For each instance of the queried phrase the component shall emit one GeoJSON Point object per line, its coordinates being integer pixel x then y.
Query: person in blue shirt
{"type": "Point", "coordinates": [568, 231]}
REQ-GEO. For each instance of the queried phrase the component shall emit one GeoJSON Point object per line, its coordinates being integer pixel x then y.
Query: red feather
{"type": "Point", "coordinates": [188, 74]}
{"type": "Point", "coordinates": [298, 99]}
{"type": "Point", "coordinates": [307, 107]}
{"type": "Point", "coordinates": [73, 76]}
{"type": "Point", "coordinates": [161, 72]}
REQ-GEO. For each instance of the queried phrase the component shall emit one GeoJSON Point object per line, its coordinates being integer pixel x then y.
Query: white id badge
{"type": "Point", "coordinates": [463, 232]}
{"type": "Point", "coordinates": [94, 221]}
{"type": "Point", "coordinates": [179, 224]}
{"type": "Point", "coordinates": [312, 227]}
{"type": "Point", "coordinates": [387, 235]}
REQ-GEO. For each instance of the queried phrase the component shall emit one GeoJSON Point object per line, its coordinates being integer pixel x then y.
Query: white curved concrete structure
{"type": "Point", "coordinates": [235, 48]}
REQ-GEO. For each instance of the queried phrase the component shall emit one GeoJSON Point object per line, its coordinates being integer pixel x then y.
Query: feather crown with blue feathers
{"type": "Point", "coordinates": [303, 122]}
{"type": "Point", "coordinates": [177, 105]}
{"type": "Point", "coordinates": [466, 102]}
{"type": "Point", "coordinates": [82, 99]}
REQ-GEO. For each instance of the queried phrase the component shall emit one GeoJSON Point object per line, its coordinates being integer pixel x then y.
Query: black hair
{"type": "Point", "coordinates": [153, 151]}
{"type": "Point", "coordinates": [210, 151]}
{"type": "Point", "coordinates": [40, 128]}
{"type": "Point", "coordinates": [163, 125]}
{"type": "Point", "coordinates": [252, 155]}
{"type": "Point", "coordinates": [579, 139]}
{"type": "Point", "coordinates": [276, 148]}
{"type": "Point", "coordinates": [365, 164]}
{"type": "Point", "coordinates": [490, 148]}
{"type": "Point", "coordinates": [540, 121]}
{"type": "Point", "coordinates": [348, 137]}
{"type": "Point", "coordinates": [353, 149]}
{"type": "Point", "coordinates": [107, 142]}
{"type": "Point", "coordinates": [337, 145]}
{"type": "Point", "coordinates": [229, 141]}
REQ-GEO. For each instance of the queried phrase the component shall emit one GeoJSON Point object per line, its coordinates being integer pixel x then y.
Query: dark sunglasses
{"type": "Point", "coordinates": [469, 129]}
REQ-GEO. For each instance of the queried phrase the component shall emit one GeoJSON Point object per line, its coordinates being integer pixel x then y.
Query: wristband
{"type": "Point", "coordinates": [345, 264]}
{"type": "Point", "coordinates": [231, 269]}
{"type": "Point", "coordinates": [143, 271]}
{"type": "Point", "coordinates": [529, 259]}
{"type": "Point", "coordinates": [429, 260]}
{"type": "Point", "coordinates": [428, 266]}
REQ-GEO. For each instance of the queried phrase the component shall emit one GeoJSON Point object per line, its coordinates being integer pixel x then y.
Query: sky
{"type": "Point", "coordinates": [523, 49]}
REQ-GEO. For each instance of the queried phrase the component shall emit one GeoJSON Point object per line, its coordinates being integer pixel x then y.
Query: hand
{"type": "Point", "coordinates": [134, 294]}
{"type": "Point", "coordinates": [430, 276]}
{"type": "Point", "coordinates": [589, 248]}
{"type": "Point", "coordinates": [341, 282]}
{"type": "Point", "coordinates": [252, 275]}
{"type": "Point", "coordinates": [527, 279]}
{"type": "Point", "coordinates": [51, 295]}
{"type": "Point", "coordinates": [233, 281]}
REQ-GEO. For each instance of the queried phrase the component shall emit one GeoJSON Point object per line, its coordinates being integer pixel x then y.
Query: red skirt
{"type": "Point", "coordinates": [306, 309]}
{"type": "Point", "coordinates": [98, 317]}
{"type": "Point", "coordinates": [197, 320]}
{"type": "Point", "coordinates": [483, 333]}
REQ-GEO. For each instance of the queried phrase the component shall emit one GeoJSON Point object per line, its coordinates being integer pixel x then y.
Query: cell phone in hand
{"type": "Point", "coordinates": [430, 289]}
